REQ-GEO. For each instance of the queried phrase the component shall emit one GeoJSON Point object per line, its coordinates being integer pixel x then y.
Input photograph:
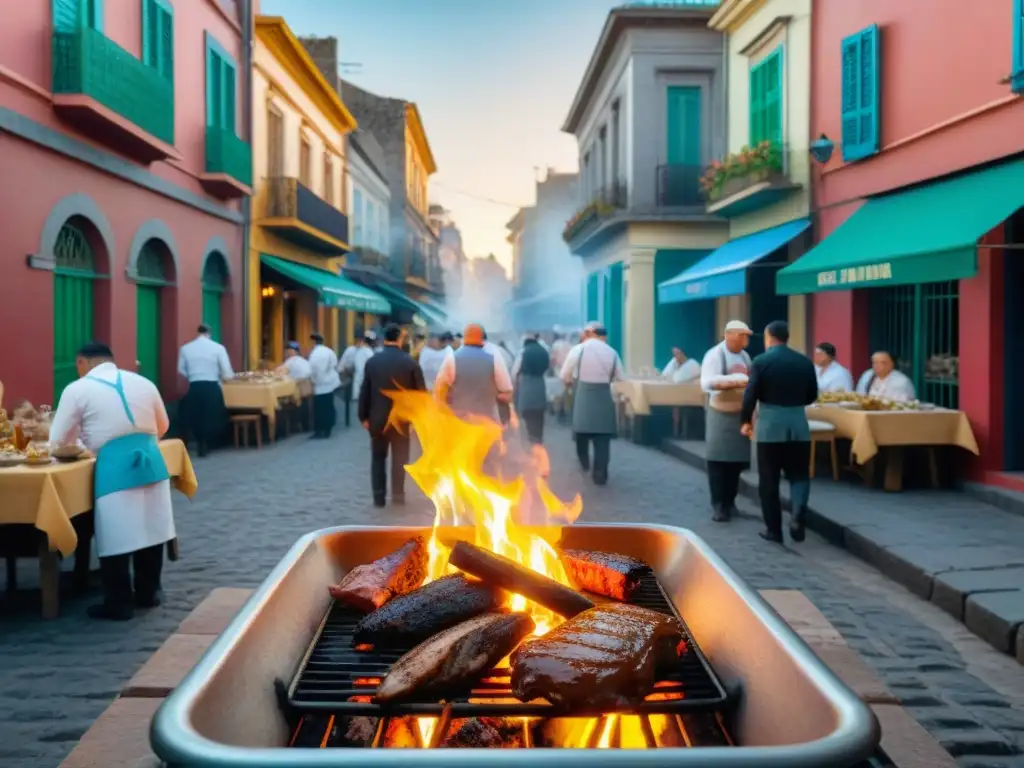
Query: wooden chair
{"type": "Point", "coordinates": [823, 432]}
{"type": "Point", "coordinates": [240, 425]}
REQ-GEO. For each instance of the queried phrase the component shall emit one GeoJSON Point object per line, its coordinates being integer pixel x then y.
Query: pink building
{"type": "Point", "coordinates": [123, 157]}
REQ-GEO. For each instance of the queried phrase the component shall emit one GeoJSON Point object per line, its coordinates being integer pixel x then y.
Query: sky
{"type": "Point", "coordinates": [493, 82]}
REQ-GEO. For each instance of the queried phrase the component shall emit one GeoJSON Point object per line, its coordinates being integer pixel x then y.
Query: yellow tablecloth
{"type": "Point", "coordinates": [641, 394]}
{"type": "Point", "coordinates": [871, 430]}
{"type": "Point", "coordinates": [48, 497]}
{"type": "Point", "coordinates": [261, 396]}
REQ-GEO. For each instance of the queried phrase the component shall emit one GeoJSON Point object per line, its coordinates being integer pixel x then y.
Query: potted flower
{"type": "Point", "coordinates": [740, 170]}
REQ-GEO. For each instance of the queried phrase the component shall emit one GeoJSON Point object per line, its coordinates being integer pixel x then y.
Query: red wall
{"type": "Point", "coordinates": [943, 109]}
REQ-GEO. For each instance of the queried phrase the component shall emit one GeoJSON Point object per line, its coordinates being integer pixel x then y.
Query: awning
{"type": "Point", "coordinates": [332, 290]}
{"type": "Point", "coordinates": [431, 314]}
{"type": "Point", "coordinates": [723, 272]}
{"type": "Point", "coordinates": [923, 235]}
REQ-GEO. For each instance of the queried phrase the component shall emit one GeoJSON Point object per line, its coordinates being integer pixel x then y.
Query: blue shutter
{"type": "Point", "coordinates": [860, 101]}
{"type": "Point", "coordinates": [1017, 76]}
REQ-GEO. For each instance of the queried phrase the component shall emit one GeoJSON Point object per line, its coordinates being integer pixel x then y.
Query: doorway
{"type": "Point", "coordinates": [1013, 345]}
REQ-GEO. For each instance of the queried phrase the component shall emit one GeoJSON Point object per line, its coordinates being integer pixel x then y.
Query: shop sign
{"type": "Point", "coordinates": [866, 273]}
{"type": "Point", "coordinates": [694, 289]}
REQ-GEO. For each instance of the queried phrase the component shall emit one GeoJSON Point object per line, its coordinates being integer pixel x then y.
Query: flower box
{"type": "Point", "coordinates": [739, 171]}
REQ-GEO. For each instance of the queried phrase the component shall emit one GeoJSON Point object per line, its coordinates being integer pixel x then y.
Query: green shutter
{"type": "Point", "coordinates": [683, 125]}
{"type": "Point", "coordinates": [860, 98]}
{"type": "Point", "coordinates": [757, 122]}
{"type": "Point", "coordinates": [147, 331]}
{"type": "Point", "coordinates": [228, 97]}
{"type": "Point", "coordinates": [212, 311]}
{"type": "Point", "coordinates": [1017, 71]}
{"type": "Point", "coordinates": [67, 14]}
{"type": "Point", "coordinates": [73, 303]}
{"type": "Point", "coordinates": [593, 286]}
{"type": "Point", "coordinates": [613, 307]}
{"type": "Point", "coordinates": [221, 87]}
{"type": "Point", "coordinates": [158, 37]}
{"type": "Point", "coordinates": [772, 84]}
{"type": "Point", "coordinates": [166, 30]}
{"type": "Point", "coordinates": [94, 14]}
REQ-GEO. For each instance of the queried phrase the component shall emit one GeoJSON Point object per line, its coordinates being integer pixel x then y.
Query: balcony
{"type": "Point", "coordinates": [361, 256]}
{"type": "Point", "coordinates": [679, 186]}
{"type": "Point", "coordinates": [111, 96]}
{"type": "Point", "coordinates": [604, 204]}
{"type": "Point", "coordinates": [294, 212]}
{"type": "Point", "coordinates": [228, 165]}
{"type": "Point", "coordinates": [752, 179]}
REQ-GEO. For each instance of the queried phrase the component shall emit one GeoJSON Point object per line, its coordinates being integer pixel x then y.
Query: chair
{"type": "Point", "coordinates": [240, 425]}
{"type": "Point", "coordinates": [823, 432]}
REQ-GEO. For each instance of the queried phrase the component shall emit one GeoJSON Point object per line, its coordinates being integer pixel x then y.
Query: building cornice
{"type": "Point", "coordinates": [419, 137]}
{"type": "Point", "coordinates": [732, 14]}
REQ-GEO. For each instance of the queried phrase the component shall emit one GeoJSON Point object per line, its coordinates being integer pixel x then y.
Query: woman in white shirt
{"type": "Point", "coordinates": [885, 381]}
{"type": "Point", "coordinates": [832, 377]}
{"type": "Point", "coordinates": [681, 368]}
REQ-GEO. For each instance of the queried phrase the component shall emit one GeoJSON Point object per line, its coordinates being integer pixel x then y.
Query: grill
{"type": "Point", "coordinates": [336, 679]}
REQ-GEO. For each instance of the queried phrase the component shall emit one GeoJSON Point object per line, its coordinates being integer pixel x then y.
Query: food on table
{"type": "Point", "coordinates": [603, 573]}
{"type": "Point", "coordinates": [604, 658]}
{"type": "Point", "coordinates": [70, 451]}
{"type": "Point", "coordinates": [454, 656]}
{"type": "Point", "coordinates": [368, 587]}
{"type": "Point", "coordinates": [257, 377]}
{"type": "Point", "coordinates": [484, 733]}
{"type": "Point", "coordinates": [415, 616]}
{"type": "Point", "coordinates": [37, 452]}
{"type": "Point", "coordinates": [508, 574]}
{"type": "Point", "coordinates": [868, 402]}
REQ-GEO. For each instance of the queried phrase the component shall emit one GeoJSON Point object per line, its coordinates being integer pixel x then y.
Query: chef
{"type": "Point", "coordinates": [205, 364]}
{"type": "Point", "coordinates": [723, 376]}
{"type": "Point", "coordinates": [352, 366]}
{"type": "Point", "coordinates": [832, 377]}
{"type": "Point", "coordinates": [323, 364]}
{"type": "Point", "coordinates": [474, 381]}
{"type": "Point", "coordinates": [295, 366]}
{"type": "Point", "coordinates": [884, 381]}
{"type": "Point", "coordinates": [119, 416]}
{"type": "Point", "coordinates": [681, 368]}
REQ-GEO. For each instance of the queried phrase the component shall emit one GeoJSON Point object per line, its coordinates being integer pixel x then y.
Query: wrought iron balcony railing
{"type": "Point", "coordinates": [297, 213]}
{"type": "Point", "coordinates": [679, 186]}
{"type": "Point", "coordinates": [361, 256]}
{"type": "Point", "coordinates": [228, 154]}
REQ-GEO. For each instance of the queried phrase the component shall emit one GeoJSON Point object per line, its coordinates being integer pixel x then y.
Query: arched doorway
{"type": "Point", "coordinates": [154, 270]}
{"type": "Point", "coordinates": [215, 284]}
{"type": "Point", "coordinates": [74, 277]}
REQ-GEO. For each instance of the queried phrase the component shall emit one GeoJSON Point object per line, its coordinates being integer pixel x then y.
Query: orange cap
{"type": "Point", "coordinates": [473, 334]}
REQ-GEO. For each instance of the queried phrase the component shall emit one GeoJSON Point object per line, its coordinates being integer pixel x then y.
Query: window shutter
{"type": "Point", "coordinates": [861, 94]}
{"type": "Point", "coordinates": [228, 96]}
{"type": "Point", "coordinates": [1017, 72]}
{"type": "Point", "coordinates": [94, 15]}
{"type": "Point", "coordinates": [773, 98]}
{"type": "Point", "coordinates": [148, 36]}
{"type": "Point", "coordinates": [165, 25]}
{"type": "Point", "coordinates": [757, 125]}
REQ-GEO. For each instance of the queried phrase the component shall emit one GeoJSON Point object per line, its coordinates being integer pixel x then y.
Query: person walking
{"type": "Point", "coordinates": [350, 370]}
{"type": "Point", "coordinates": [323, 364]}
{"type": "Point", "coordinates": [204, 363]}
{"type": "Point", "coordinates": [531, 392]}
{"type": "Point", "coordinates": [724, 374]}
{"type": "Point", "coordinates": [591, 367]}
{"type": "Point", "coordinates": [474, 381]}
{"type": "Point", "coordinates": [431, 357]}
{"type": "Point", "coordinates": [782, 384]}
{"type": "Point", "coordinates": [389, 370]}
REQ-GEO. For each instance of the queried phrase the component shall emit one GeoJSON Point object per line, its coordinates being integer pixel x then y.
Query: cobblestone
{"type": "Point", "coordinates": [57, 677]}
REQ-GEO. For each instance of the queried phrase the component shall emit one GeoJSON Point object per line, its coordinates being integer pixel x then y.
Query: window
{"type": "Point", "coordinates": [221, 86]}
{"type": "Point", "coordinates": [1017, 73]}
{"type": "Point", "coordinates": [275, 143]}
{"type": "Point", "coordinates": [369, 227]}
{"type": "Point", "coordinates": [67, 13]}
{"type": "Point", "coordinates": [860, 94]}
{"type": "Point", "coordinates": [357, 214]}
{"type": "Point", "coordinates": [616, 116]}
{"type": "Point", "coordinates": [602, 157]}
{"type": "Point", "coordinates": [305, 162]}
{"type": "Point", "coordinates": [766, 99]}
{"type": "Point", "coordinates": [157, 35]}
{"type": "Point", "coordinates": [328, 178]}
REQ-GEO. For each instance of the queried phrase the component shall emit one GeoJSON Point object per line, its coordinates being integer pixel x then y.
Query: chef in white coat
{"type": "Point", "coordinates": [323, 364]}
{"type": "Point", "coordinates": [680, 368]}
{"type": "Point", "coordinates": [832, 377]}
{"type": "Point", "coordinates": [120, 417]}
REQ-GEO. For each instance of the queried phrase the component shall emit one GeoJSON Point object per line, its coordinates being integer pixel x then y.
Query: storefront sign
{"type": "Point", "coordinates": [867, 273]}
{"type": "Point", "coordinates": [694, 289]}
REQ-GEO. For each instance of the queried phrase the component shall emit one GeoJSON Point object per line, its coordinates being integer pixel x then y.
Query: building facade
{"type": "Point", "coordinates": [649, 115]}
{"type": "Point", "coordinates": [487, 296]}
{"type": "Point", "coordinates": [918, 191]}
{"type": "Point", "coordinates": [123, 124]}
{"type": "Point", "coordinates": [451, 255]}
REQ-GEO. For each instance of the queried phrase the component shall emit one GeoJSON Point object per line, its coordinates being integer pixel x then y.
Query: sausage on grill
{"type": "Point", "coordinates": [602, 573]}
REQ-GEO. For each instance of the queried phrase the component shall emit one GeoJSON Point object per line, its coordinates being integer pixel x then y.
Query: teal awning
{"type": "Point", "coordinates": [332, 290]}
{"type": "Point", "coordinates": [431, 314]}
{"type": "Point", "coordinates": [927, 234]}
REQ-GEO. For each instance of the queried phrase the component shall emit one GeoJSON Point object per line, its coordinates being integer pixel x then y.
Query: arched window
{"type": "Point", "coordinates": [152, 270]}
{"type": "Point", "coordinates": [215, 283]}
{"type": "Point", "coordinates": [74, 275]}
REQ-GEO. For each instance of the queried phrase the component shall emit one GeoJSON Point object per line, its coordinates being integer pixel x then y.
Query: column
{"type": "Point", "coordinates": [638, 314]}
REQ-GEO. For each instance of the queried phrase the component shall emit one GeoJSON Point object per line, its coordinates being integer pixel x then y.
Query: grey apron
{"type": "Point", "coordinates": [779, 424]}
{"type": "Point", "coordinates": [593, 408]}
{"type": "Point", "coordinates": [722, 438]}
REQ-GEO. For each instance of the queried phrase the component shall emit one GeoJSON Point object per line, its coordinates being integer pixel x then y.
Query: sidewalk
{"type": "Point", "coordinates": [964, 555]}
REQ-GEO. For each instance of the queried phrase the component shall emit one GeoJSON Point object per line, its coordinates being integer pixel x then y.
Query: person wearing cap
{"type": "Point", "coordinates": [782, 384]}
{"type": "Point", "coordinates": [204, 364]}
{"type": "Point", "coordinates": [723, 376]}
{"type": "Point", "coordinates": [323, 364]}
{"type": "Point", "coordinates": [120, 416]}
{"type": "Point", "coordinates": [431, 357]}
{"type": "Point", "coordinates": [474, 381]}
{"type": "Point", "coordinates": [832, 377]}
{"type": "Point", "coordinates": [295, 366]}
{"type": "Point", "coordinates": [591, 367]}
{"type": "Point", "coordinates": [351, 367]}
{"type": "Point", "coordinates": [392, 369]}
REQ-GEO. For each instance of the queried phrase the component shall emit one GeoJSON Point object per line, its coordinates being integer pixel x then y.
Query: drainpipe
{"type": "Point", "coordinates": [247, 45]}
{"type": "Point", "coordinates": [725, 89]}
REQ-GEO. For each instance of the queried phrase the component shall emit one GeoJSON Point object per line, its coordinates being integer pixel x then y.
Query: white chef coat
{"type": "Point", "coordinates": [599, 364]}
{"type": "Point", "coordinates": [559, 351]}
{"type": "Point", "coordinates": [203, 359]}
{"type": "Point", "coordinates": [729, 400]}
{"type": "Point", "coordinates": [136, 518]}
{"type": "Point", "coordinates": [298, 368]}
{"type": "Point", "coordinates": [430, 363]}
{"type": "Point", "coordinates": [688, 371]}
{"type": "Point", "coordinates": [897, 386]}
{"type": "Point", "coordinates": [834, 378]}
{"type": "Point", "coordinates": [323, 364]}
{"type": "Point", "coordinates": [354, 362]}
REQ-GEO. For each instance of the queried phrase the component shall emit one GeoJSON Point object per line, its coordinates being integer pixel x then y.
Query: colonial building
{"type": "Point", "coordinates": [300, 231]}
{"type": "Point", "coordinates": [649, 115]}
{"type": "Point", "coordinates": [919, 185]}
{"type": "Point", "coordinates": [451, 256]}
{"type": "Point", "coordinates": [123, 154]}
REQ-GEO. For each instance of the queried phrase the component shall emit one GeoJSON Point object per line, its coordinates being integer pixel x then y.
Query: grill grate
{"type": "Point", "coordinates": [335, 679]}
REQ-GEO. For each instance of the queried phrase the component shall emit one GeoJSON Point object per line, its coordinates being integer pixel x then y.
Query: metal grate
{"type": "Point", "coordinates": [336, 679]}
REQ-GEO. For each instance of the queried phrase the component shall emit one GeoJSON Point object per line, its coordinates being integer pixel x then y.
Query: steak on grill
{"type": "Point", "coordinates": [411, 618]}
{"type": "Point", "coordinates": [368, 587]}
{"type": "Point", "coordinates": [602, 659]}
{"type": "Point", "coordinates": [455, 655]}
{"type": "Point", "coordinates": [602, 573]}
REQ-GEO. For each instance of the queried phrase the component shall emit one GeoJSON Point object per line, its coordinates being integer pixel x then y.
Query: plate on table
{"type": "Point", "coordinates": [39, 461]}
{"type": "Point", "coordinates": [11, 461]}
{"type": "Point", "coordinates": [68, 453]}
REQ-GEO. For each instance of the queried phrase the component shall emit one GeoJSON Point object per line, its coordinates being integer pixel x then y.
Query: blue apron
{"type": "Point", "coordinates": [130, 461]}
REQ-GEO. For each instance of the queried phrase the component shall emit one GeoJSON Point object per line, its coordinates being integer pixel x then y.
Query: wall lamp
{"type": "Point", "coordinates": [822, 149]}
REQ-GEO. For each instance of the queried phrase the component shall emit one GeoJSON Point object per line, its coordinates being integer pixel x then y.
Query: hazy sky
{"type": "Point", "coordinates": [493, 82]}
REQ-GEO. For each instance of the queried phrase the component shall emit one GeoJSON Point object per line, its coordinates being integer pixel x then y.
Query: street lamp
{"type": "Point", "coordinates": [822, 149]}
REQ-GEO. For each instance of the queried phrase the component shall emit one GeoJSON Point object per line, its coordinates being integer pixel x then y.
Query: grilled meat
{"type": "Point", "coordinates": [454, 656]}
{"type": "Point", "coordinates": [602, 659]}
{"type": "Point", "coordinates": [413, 617]}
{"type": "Point", "coordinates": [484, 733]}
{"type": "Point", "coordinates": [368, 587]}
{"type": "Point", "coordinates": [610, 575]}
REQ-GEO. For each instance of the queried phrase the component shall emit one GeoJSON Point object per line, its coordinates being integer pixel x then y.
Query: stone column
{"type": "Point", "coordinates": [638, 311]}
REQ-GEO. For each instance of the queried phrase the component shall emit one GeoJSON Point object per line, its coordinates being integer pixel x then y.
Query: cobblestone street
{"type": "Point", "coordinates": [57, 677]}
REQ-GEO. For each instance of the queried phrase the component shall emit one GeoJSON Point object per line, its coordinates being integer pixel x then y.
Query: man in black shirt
{"type": "Point", "coordinates": [782, 384]}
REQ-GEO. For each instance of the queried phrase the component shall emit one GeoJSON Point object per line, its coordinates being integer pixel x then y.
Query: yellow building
{"type": "Point", "coordinates": [300, 230]}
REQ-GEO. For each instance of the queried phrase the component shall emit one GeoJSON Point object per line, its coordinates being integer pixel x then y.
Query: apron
{"type": "Point", "coordinates": [722, 438]}
{"type": "Point", "coordinates": [131, 489]}
{"type": "Point", "coordinates": [593, 408]}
